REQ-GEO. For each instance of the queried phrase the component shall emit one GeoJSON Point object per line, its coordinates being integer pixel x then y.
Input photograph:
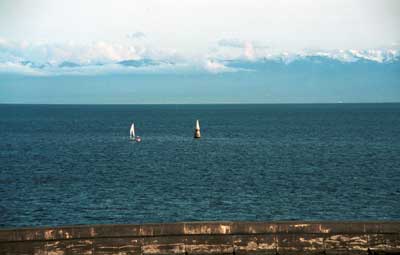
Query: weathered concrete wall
{"type": "Point", "coordinates": [208, 238]}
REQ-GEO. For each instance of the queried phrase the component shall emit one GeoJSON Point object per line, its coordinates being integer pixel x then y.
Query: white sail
{"type": "Point", "coordinates": [132, 131]}
{"type": "Point", "coordinates": [197, 130]}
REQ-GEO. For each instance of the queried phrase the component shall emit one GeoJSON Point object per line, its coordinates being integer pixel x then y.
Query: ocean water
{"type": "Point", "coordinates": [75, 164]}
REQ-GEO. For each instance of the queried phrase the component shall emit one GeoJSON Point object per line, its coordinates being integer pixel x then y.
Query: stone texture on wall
{"type": "Point", "coordinates": [208, 238]}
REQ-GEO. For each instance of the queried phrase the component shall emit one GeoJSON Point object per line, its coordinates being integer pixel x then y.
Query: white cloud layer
{"type": "Point", "coordinates": [97, 52]}
{"type": "Point", "coordinates": [216, 67]}
{"type": "Point", "coordinates": [130, 57]}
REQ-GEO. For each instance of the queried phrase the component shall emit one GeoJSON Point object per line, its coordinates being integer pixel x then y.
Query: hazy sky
{"type": "Point", "coordinates": [194, 26]}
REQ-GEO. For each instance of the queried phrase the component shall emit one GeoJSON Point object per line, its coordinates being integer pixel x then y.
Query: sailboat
{"type": "Point", "coordinates": [197, 130]}
{"type": "Point", "coordinates": [132, 134]}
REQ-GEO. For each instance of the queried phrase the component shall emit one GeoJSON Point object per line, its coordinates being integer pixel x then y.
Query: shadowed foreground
{"type": "Point", "coordinates": [208, 238]}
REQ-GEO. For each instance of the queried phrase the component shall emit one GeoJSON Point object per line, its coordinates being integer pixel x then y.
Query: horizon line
{"type": "Point", "coordinates": [288, 103]}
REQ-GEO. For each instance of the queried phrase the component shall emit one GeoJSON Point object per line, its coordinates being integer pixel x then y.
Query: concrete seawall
{"type": "Point", "coordinates": [291, 237]}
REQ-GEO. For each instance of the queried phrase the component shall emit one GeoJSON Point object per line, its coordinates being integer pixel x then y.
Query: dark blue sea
{"type": "Point", "coordinates": [75, 164]}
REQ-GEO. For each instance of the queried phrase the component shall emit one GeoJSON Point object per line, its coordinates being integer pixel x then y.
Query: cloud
{"type": "Point", "coordinates": [249, 50]}
{"type": "Point", "coordinates": [71, 58]}
{"type": "Point", "coordinates": [215, 67]}
{"type": "Point", "coordinates": [96, 52]}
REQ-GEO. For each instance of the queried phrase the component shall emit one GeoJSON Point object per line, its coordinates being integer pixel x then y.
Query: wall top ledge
{"type": "Point", "coordinates": [199, 228]}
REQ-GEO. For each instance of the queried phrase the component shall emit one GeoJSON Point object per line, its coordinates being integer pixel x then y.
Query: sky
{"type": "Point", "coordinates": [171, 51]}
